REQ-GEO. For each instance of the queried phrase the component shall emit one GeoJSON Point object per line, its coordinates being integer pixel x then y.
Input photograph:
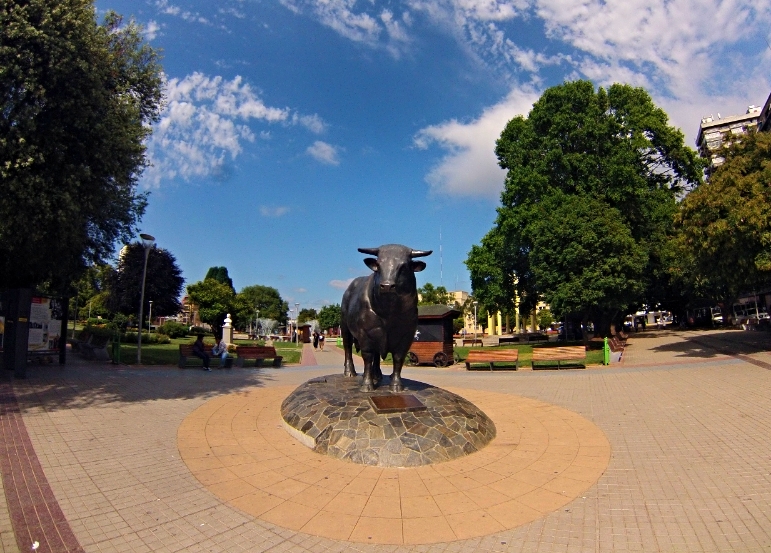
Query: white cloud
{"type": "Point", "coordinates": [340, 16]}
{"type": "Point", "coordinates": [205, 124]}
{"type": "Point", "coordinates": [323, 152]}
{"type": "Point", "coordinates": [166, 8]}
{"type": "Point", "coordinates": [340, 284]}
{"type": "Point", "coordinates": [273, 211]}
{"type": "Point", "coordinates": [470, 167]}
{"type": "Point", "coordinates": [313, 123]}
{"type": "Point", "coordinates": [676, 43]}
{"type": "Point", "coordinates": [151, 30]}
{"type": "Point", "coordinates": [356, 23]}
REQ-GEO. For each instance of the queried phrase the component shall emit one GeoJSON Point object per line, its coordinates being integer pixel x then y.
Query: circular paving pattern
{"type": "Point", "coordinates": [542, 458]}
{"type": "Point", "coordinates": [420, 426]}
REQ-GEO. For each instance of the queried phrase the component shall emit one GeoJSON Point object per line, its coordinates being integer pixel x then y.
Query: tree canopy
{"type": "Point", "coordinates": [725, 224]}
{"type": "Point", "coordinates": [214, 301]}
{"type": "Point", "coordinates": [77, 101]}
{"type": "Point", "coordinates": [598, 170]}
{"type": "Point", "coordinates": [307, 314]}
{"type": "Point", "coordinates": [330, 316]}
{"type": "Point", "coordinates": [428, 294]}
{"type": "Point", "coordinates": [163, 282]}
{"type": "Point", "coordinates": [266, 299]}
{"type": "Point", "coordinates": [220, 274]}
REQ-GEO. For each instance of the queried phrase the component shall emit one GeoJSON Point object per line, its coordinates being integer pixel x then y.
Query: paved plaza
{"type": "Point", "coordinates": [669, 450]}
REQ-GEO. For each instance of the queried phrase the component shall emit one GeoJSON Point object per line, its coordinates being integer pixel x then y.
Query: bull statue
{"type": "Point", "coordinates": [380, 313]}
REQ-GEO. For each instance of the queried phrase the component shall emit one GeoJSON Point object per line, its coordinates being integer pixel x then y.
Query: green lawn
{"type": "Point", "coordinates": [168, 354]}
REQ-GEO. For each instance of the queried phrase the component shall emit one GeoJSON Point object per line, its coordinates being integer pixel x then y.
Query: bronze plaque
{"type": "Point", "coordinates": [396, 403]}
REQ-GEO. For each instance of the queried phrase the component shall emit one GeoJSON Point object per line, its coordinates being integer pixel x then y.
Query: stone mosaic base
{"type": "Point", "coordinates": [333, 417]}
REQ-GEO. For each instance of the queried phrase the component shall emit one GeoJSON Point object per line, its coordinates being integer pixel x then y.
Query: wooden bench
{"type": "Point", "coordinates": [186, 354]}
{"type": "Point", "coordinates": [576, 354]}
{"type": "Point", "coordinates": [492, 356]}
{"type": "Point", "coordinates": [471, 341]}
{"type": "Point", "coordinates": [257, 353]}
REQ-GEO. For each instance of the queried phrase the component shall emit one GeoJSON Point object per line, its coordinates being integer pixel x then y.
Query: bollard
{"type": "Point", "coordinates": [606, 352]}
{"type": "Point", "coordinates": [116, 348]}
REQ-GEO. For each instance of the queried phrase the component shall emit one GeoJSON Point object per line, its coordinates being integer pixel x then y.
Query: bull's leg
{"type": "Point", "coordinates": [377, 374]}
{"type": "Point", "coordinates": [396, 376]}
{"type": "Point", "coordinates": [367, 385]}
{"type": "Point", "coordinates": [348, 369]}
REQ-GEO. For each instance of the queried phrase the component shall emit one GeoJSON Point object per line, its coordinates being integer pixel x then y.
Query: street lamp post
{"type": "Point", "coordinates": [147, 242]}
{"type": "Point", "coordinates": [475, 321]}
{"type": "Point", "coordinates": [256, 323]}
{"type": "Point", "coordinates": [297, 322]}
{"type": "Point", "coordinates": [150, 318]}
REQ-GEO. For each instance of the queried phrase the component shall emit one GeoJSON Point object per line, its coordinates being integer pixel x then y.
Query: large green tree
{"type": "Point", "coordinates": [330, 316]}
{"type": "Point", "coordinates": [220, 274]}
{"type": "Point", "coordinates": [434, 295]}
{"type": "Point", "coordinates": [266, 299]}
{"type": "Point", "coordinates": [76, 102]}
{"type": "Point", "coordinates": [612, 155]}
{"type": "Point", "coordinates": [307, 314]}
{"type": "Point", "coordinates": [163, 282]}
{"type": "Point", "coordinates": [214, 301]}
{"type": "Point", "coordinates": [725, 224]}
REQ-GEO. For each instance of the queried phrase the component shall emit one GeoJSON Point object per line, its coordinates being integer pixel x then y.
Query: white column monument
{"type": "Point", "coordinates": [227, 330]}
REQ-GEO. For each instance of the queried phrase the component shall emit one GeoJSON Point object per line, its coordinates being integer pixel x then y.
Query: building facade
{"type": "Point", "coordinates": [717, 132]}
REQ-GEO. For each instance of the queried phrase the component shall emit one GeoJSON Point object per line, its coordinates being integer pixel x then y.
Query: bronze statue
{"type": "Point", "coordinates": [380, 313]}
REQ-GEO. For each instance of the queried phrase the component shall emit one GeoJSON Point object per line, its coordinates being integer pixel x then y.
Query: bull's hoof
{"type": "Point", "coordinates": [396, 385]}
{"type": "Point", "coordinates": [349, 370]}
{"type": "Point", "coordinates": [367, 387]}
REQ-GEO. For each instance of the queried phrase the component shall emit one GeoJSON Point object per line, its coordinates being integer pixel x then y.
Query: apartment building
{"type": "Point", "coordinates": [716, 132]}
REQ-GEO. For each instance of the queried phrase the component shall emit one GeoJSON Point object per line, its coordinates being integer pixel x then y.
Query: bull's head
{"type": "Point", "coordinates": [394, 267]}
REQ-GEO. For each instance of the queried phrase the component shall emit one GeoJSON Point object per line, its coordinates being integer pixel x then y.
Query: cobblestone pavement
{"type": "Point", "coordinates": [687, 415]}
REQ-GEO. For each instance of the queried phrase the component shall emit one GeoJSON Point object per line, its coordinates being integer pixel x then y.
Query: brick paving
{"type": "Point", "coordinates": [687, 415]}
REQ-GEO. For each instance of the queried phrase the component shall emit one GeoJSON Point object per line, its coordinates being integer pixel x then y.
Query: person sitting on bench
{"type": "Point", "coordinates": [221, 349]}
{"type": "Point", "coordinates": [200, 351]}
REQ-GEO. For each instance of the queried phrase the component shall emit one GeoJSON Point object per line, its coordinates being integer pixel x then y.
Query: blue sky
{"type": "Point", "coordinates": [296, 131]}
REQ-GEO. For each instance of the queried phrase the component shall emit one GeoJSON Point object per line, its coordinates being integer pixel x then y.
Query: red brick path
{"type": "Point", "coordinates": [34, 511]}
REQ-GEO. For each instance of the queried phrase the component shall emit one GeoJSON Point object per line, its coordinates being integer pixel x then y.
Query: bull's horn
{"type": "Point", "coordinates": [370, 251]}
{"type": "Point", "coordinates": [419, 253]}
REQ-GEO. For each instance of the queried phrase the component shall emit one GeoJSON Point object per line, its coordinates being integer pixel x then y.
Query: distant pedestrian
{"type": "Point", "coordinates": [199, 350]}
{"type": "Point", "coordinates": [315, 340]}
{"type": "Point", "coordinates": [321, 342]}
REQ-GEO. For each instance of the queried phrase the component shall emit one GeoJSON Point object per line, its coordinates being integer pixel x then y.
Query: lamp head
{"type": "Point", "coordinates": [147, 239]}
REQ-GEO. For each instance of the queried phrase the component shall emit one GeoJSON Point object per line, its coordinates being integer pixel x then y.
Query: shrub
{"type": "Point", "coordinates": [120, 321]}
{"type": "Point", "coordinates": [195, 330]}
{"type": "Point", "coordinates": [173, 329]}
{"type": "Point", "coordinates": [131, 338]}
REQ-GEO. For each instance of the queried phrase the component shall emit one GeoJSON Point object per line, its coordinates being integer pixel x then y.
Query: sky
{"type": "Point", "coordinates": [296, 131]}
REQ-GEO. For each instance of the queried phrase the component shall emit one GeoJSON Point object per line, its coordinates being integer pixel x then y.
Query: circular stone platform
{"type": "Point", "coordinates": [543, 458]}
{"type": "Point", "coordinates": [420, 426]}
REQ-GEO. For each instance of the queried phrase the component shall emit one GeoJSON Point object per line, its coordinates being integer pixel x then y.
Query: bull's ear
{"type": "Point", "coordinates": [371, 262]}
{"type": "Point", "coordinates": [418, 266]}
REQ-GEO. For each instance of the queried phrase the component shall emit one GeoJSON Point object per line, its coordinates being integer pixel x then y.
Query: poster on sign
{"type": "Point", "coordinates": [45, 325]}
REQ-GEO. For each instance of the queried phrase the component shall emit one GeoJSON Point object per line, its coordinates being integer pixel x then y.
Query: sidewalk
{"type": "Point", "coordinates": [687, 416]}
